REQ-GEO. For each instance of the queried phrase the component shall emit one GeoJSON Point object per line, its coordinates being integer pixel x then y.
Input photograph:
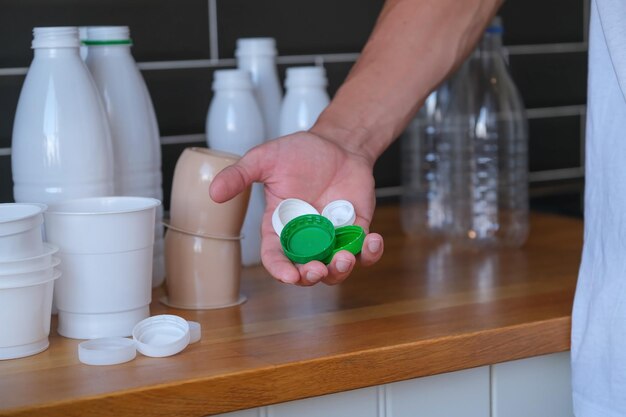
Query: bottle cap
{"type": "Point", "coordinates": [340, 213]}
{"type": "Point", "coordinates": [288, 210]}
{"type": "Point", "coordinates": [232, 79]}
{"type": "Point", "coordinates": [107, 35]}
{"type": "Point", "coordinates": [348, 238]}
{"type": "Point", "coordinates": [308, 238]}
{"type": "Point", "coordinates": [160, 336]}
{"type": "Point", "coordinates": [107, 351]}
{"type": "Point", "coordinates": [255, 46]}
{"type": "Point", "coordinates": [195, 331]}
{"type": "Point", "coordinates": [55, 37]}
{"type": "Point", "coordinates": [313, 76]}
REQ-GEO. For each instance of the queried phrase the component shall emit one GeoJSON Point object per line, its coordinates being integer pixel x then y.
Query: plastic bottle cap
{"type": "Point", "coordinates": [348, 238]}
{"type": "Point", "coordinates": [232, 79]}
{"type": "Point", "coordinates": [308, 238]}
{"type": "Point", "coordinates": [255, 46]}
{"type": "Point", "coordinates": [107, 351]}
{"type": "Point", "coordinates": [195, 331]}
{"type": "Point", "coordinates": [340, 213]}
{"type": "Point", "coordinates": [312, 76]}
{"type": "Point", "coordinates": [160, 336]}
{"type": "Point", "coordinates": [288, 210]}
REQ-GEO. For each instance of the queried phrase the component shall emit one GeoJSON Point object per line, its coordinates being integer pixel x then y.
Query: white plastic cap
{"type": "Point", "coordinates": [161, 336]}
{"type": "Point", "coordinates": [107, 351]}
{"type": "Point", "coordinates": [340, 213]}
{"type": "Point", "coordinates": [108, 33]}
{"type": "Point", "coordinates": [55, 37]}
{"type": "Point", "coordinates": [195, 332]}
{"type": "Point", "coordinates": [288, 210]}
{"type": "Point", "coordinates": [232, 79]}
{"type": "Point", "coordinates": [306, 77]}
{"type": "Point", "coordinates": [255, 46]}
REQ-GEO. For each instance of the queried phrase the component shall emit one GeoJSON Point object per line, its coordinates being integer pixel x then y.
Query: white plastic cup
{"type": "Point", "coordinates": [20, 230]}
{"type": "Point", "coordinates": [29, 264]}
{"type": "Point", "coordinates": [25, 317]}
{"type": "Point", "coordinates": [106, 247]}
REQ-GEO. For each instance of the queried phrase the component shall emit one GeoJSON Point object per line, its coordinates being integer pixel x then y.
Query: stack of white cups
{"type": "Point", "coordinates": [131, 116]}
{"type": "Point", "coordinates": [27, 274]}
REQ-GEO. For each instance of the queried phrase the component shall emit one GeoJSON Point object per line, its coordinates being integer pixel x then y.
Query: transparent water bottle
{"type": "Point", "coordinates": [425, 202]}
{"type": "Point", "coordinates": [488, 133]}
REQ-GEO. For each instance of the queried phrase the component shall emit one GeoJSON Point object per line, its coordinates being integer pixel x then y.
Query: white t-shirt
{"type": "Point", "coordinates": [599, 316]}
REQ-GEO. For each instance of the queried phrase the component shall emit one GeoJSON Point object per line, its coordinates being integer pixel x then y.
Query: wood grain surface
{"type": "Point", "coordinates": [426, 308]}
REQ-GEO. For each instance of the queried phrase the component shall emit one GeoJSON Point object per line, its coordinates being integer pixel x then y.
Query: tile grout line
{"type": "Point", "coordinates": [586, 13]}
{"type": "Point", "coordinates": [215, 61]}
{"type": "Point", "coordinates": [556, 111]}
{"type": "Point", "coordinates": [213, 40]}
{"type": "Point", "coordinates": [583, 138]}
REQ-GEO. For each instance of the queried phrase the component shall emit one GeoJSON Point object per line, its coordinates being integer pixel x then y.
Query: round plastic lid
{"type": "Point", "coordinates": [107, 351]}
{"type": "Point", "coordinates": [348, 238]}
{"type": "Point", "coordinates": [340, 213]}
{"type": "Point", "coordinates": [288, 210]}
{"type": "Point", "coordinates": [160, 336]}
{"type": "Point", "coordinates": [195, 332]}
{"type": "Point", "coordinates": [308, 238]}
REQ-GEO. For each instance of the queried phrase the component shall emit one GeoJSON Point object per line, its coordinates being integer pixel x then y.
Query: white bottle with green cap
{"type": "Point", "coordinates": [61, 147]}
{"type": "Point", "coordinates": [134, 128]}
{"type": "Point", "coordinates": [258, 56]}
{"type": "Point", "coordinates": [234, 124]}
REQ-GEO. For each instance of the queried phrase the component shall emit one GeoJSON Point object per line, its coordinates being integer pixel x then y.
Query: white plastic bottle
{"type": "Point", "coordinates": [134, 128]}
{"type": "Point", "coordinates": [258, 56]}
{"type": "Point", "coordinates": [82, 35]}
{"type": "Point", "coordinates": [305, 100]}
{"type": "Point", "coordinates": [234, 124]}
{"type": "Point", "coordinates": [61, 145]}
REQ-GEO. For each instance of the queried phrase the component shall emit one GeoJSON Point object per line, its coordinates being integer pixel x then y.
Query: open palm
{"type": "Point", "coordinates": [313, 169]}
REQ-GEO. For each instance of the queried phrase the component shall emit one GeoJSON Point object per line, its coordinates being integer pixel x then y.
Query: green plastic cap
{"type": "Point", "coordinates": [348, 238]}
{"type": "Point", "coordinates": [306, 238]}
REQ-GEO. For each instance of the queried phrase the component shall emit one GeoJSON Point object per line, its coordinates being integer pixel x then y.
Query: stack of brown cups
{"type": "Point", "coordinates": [203, 241]}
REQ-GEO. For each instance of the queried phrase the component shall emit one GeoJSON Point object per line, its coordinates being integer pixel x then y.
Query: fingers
{"type": "Point", "coordinates": [339, 268]}
{"type": "Point", "coordinates": [373, 248]}
{"type": "Point", "coordinates": [234, 179]}
{"type": "Point", "coordinates": [311, 273]}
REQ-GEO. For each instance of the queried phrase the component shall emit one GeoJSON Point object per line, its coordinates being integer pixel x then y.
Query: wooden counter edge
{"type": "Point", "coordinates": [326, 375]}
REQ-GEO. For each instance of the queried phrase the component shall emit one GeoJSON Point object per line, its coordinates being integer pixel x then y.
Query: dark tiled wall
{"type": "Point", "coordinates": [179, 44]}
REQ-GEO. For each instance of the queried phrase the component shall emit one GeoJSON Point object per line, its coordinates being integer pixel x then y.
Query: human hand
{"type": "Point", "coordinates": [314, 169]}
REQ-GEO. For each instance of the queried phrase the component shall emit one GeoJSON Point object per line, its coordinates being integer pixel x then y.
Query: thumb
{"type": "Point", "coordinates": [235, 178]}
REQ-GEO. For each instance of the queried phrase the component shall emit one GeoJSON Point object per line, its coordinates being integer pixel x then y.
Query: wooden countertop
{"type": "Point", "coordinates": [424, 309]}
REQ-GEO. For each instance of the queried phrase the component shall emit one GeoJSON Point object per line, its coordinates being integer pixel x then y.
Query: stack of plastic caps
{"type": "Point", "coordinates": [157, 337]}
{"type": "Point", "coordinates": [306, 236]}
{"type": "Point", "coordinates": [27, 275]}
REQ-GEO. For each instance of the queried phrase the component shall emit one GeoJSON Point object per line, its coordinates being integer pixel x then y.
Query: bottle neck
{"type": "Point", "coordinates": [57, 52]}
{"type": "Point", "coordinates": [109, 50]}
{"type": "Point", "coordinates": [491, 43]}
{"type": "Point", "coordinates": [256, 61]}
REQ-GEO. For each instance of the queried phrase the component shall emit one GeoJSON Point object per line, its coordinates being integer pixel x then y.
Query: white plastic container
{"type": "Point", "coordinates": [106, 252]}
{"type": "Point", "coordinates": [20, 231]}
{"type": "Point", "coordinates": [305, 99]}
{"type": "Point", "coordinates": [61, 145]}
{"type": "Point", "coordinates": [29, 264]}
{"type": "Point", "coordinates": [25, 316]}
{"type": "Point", "coordinates": [133, 123]}
{"type": "Point", "coordinates": [234, 124]}
{"type": "Point", "coordinates": [258, 56]}
{"type": "Point", "coordinates": [30, 276]}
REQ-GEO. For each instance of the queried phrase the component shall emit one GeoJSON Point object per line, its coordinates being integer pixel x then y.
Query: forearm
{"type": "Point", "coordinates": [414, 46]}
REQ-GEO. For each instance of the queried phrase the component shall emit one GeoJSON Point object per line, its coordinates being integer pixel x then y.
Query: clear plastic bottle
{"type": "Point", "coordinates": [425, 201]}
{"type": "Point", "coordinates": [258, 56]}
{"type": "Point", "coordinates": [489, 136]}
{"type": "Point", "coordinates": [305, 100]}
{"type": "Point", "coordinates": [133, 123]}
{"type": "Point", "coordinates": [235, 124]}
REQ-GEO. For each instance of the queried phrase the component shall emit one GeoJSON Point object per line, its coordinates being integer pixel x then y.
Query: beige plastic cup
{"type": "Point", "coordinates": [202, 272]}
{"type": "Point", "coordinates": [191, 207]}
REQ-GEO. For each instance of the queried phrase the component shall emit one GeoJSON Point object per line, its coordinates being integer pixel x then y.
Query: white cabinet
{"type": "Point", "coordinates": [538, 386]}
{"type": "Point", "coordinates": [463, 393]}
{"type": "Point", "coordinates": [533, 387]}
{"type": "Point", "coordinates": [357, 403]}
